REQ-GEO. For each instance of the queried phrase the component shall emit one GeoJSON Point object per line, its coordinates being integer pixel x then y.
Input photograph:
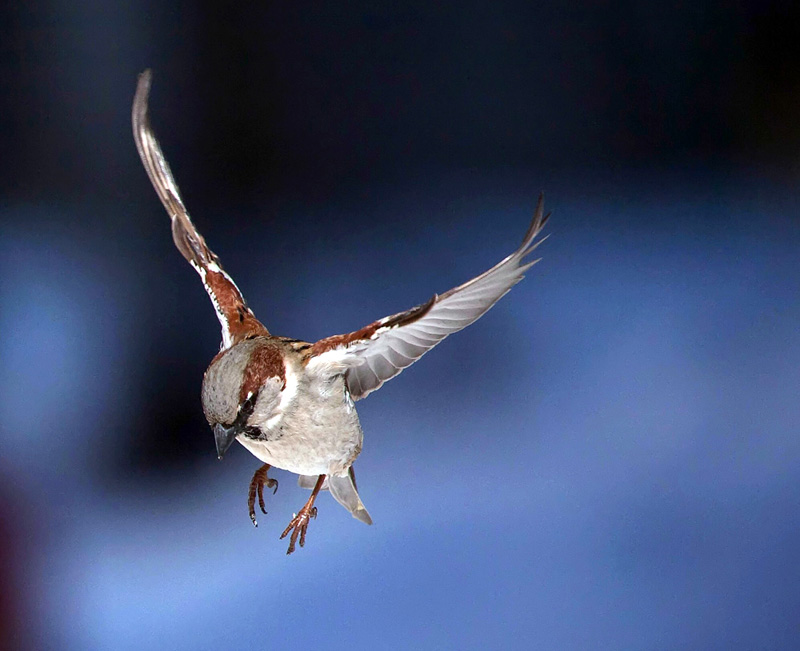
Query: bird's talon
{"type": "Point", "coordinates": [299, 524]}
{"type": "Point", "coordinates": [257, 489]}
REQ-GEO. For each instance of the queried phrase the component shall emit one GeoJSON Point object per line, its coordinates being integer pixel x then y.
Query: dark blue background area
{"type": "Point", "coordinates": [608, 459]}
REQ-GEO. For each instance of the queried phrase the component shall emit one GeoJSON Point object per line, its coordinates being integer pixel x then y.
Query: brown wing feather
{"type": "Point", "coordinates": [236, 319]}
{"type": "Point", "coordinates": [368, 331]}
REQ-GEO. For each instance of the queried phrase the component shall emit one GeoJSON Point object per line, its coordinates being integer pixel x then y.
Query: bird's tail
{"type": "Point", "coordinates": [343, 490]}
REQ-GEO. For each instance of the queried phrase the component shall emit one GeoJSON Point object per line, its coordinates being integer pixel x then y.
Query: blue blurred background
{"type": "Point", "coordinates": [609, 459]}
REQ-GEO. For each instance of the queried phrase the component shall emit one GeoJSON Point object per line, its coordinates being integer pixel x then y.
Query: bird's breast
{"type": "Point", "coordinates": [315, 430]}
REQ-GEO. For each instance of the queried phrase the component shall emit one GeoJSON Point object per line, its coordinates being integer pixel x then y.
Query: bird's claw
{"type": "Point", "coordinates": [257, 484]}
{"type": "Point", "coordinates": [298, 526]}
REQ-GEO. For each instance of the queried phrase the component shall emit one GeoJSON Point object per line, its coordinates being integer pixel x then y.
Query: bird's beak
{"type": "Point", "coordinates": [224, 436]}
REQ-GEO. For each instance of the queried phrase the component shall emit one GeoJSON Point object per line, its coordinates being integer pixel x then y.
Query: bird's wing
{"type": "Point", "coordinates": [236, 319]}
{"type": "Point", "coordinates": [379, 351]}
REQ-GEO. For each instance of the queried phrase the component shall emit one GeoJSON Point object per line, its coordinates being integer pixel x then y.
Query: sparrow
{"type": "Point", "coordinates": [291, 402]}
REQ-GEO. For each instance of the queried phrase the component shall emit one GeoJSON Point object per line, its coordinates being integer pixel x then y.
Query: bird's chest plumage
{"type": "Point", "coordinates": [314, 431]}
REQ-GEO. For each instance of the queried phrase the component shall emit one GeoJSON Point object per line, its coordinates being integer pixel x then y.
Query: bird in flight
{"type": "Point", "coordinates": [291, 402]}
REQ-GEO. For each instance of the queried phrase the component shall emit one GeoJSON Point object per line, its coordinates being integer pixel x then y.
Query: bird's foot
{"type": "Point", "coordinates": [298, 526]}
{"type": "Point", "coordinates": [257, 487]}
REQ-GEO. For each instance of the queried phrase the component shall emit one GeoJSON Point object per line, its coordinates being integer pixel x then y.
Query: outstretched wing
{"type": "Point", "coordinates": [236, 319]}
{"type": "Point", "coordinates": [379, 351]}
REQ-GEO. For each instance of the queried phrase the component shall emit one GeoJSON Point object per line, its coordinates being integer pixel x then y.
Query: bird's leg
{"type": "Point", "coordinates": [299, 523]}
{"type": "Point", "coordinates": [257, 486]}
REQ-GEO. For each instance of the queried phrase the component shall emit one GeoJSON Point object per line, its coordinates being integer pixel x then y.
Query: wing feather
{"type": "Point", "coordinates": [380, 350]}
{"type": "Point", "coordinates": [235, 317]}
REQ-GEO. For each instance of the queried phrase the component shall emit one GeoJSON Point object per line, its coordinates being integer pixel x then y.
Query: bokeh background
{"type": "Point", "coordinates": [609, 459]}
